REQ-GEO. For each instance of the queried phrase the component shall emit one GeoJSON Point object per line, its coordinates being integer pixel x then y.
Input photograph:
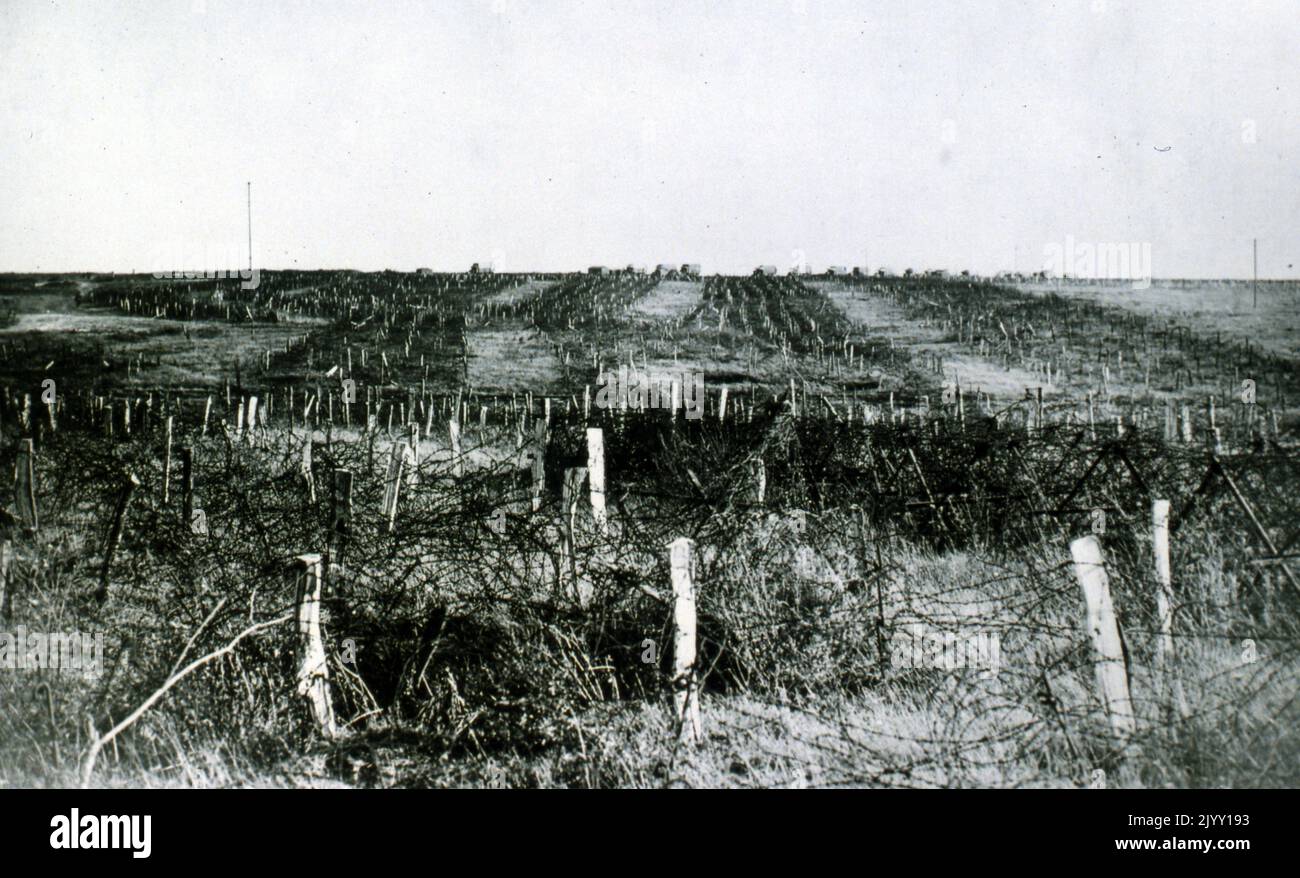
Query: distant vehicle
{"type": "Point", "coordinates": [665, 270]}
{"type": "Point", "coordinates": [424, 271]}
{"type": "Point", "coordinates": [598, 269]}
{"type": "Point", "coordinates": [691, 269]}
{"type": "Point", "coordinates": [768, 270]}
{"type": "Point", "coordinates": [836, 271]}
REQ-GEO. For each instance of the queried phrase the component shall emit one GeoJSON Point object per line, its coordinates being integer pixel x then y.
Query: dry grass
{"type": "Point", "coordinates": [1208, 308]}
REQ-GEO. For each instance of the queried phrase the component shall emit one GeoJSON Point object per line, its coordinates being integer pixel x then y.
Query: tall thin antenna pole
{"type": "Point", "coordinates": [250, 226]}
{"type": "Point", "coordinates": [1254, 286]}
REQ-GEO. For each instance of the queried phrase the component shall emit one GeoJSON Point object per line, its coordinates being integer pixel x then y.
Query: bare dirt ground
{"type": "Point", "coordinates": [671, 299]}
{"type": "Point", "coordinates": [887, 319]}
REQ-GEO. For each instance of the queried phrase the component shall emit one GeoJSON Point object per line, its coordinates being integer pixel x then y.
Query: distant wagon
{"type": "Point", "coordinates": [836, 271]}
{"type": "Point", "coordinates": [767, 270]}
{"type": "Point", "coordinates": [663, 269]}
{"type": "Point", "coordinates": [598, 270]}
{"type": "Point", "coordinates": [691, 269]}
{"type": "Point", "coordinates": [424, 271]}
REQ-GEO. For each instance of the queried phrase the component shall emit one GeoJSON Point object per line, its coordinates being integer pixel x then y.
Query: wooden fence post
{"type": "Point", "coordinates": [305, 469]}
{"type": "Point", "coordinates": [573, 478]}
{"type": "Point", "coordinates": [393, 483]}
{"type": "Point", "coordinates": [596, 476]}
{"type": "Point", "coordinates": [1103, 628]}
{"type": "Point", "coordinates": [251, 420]}
{"type": "Point", "coordinates": [538, 475]}
{"type": "Point", "coordinates": [313, 667]}
{"type": "Point", "coordinates": [412, 454]}
{"type": "Point", "coordinates": [685, 680]}
{"type": "Point", "coordinates": [340, 512]}
{"type": "Point", "coordinates": [187, 484]}
{"type": "Point", "coordinates": [1164, 579]}
{"type": "Point", "coordinates": [760, 480]}
{"type": "Point", "coordinates": [115, 533]}
{"type": "Point", "coordinates": [25, 485]}
{"type": "Point", "coordinates": [167, 461]}
{"type": "Point", "coordinates": [453, 431]}
{"type": "Point", "coordinates": [6, 598]}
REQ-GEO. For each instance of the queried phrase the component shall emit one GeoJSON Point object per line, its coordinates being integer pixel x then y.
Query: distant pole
{"type": "Point", "coordinates": [250, 226]}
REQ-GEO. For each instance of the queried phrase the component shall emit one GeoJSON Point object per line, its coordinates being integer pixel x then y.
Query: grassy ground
{"type": "Point", "coordinates": [515, 684]}
{"type": "Point", "coordinates": [1208, 307]}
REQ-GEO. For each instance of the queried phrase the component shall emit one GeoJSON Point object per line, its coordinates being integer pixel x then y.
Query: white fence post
{"type": "Point", "coordinates": [453, 431]}
{"type": "Point", "coordinates": [412, 455]}
{"type": "Point", "coordinates": [1112, 675]}
{"type": "Point", "coordinates": [538, 475]}
{"type": "Point", "coordinates": [596, 476]}
{"type": "Point", "coordinates": [251, 421]}
{"type": "Point", "coordinates": [305, 469]}
{"type": "Point", "coordinates": [1164, 579]}
{"type": "Point", "coordinates": [313, 667]}
{"type": "Point", "coordinates": [685, 681]}
{"type": "Point", "coordinates": [393, 484]}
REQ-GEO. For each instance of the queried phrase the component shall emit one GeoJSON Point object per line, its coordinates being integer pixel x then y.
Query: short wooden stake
{"type": "Point", "coordinates": [596, 476]}
{"type": "Point", "coordinates": [412, 454]}
{"type": "Point", "coordinates": [6, 598]}
{"type": "Point", "coordinates": [340, 512]}
{"type": "Point", "coordinates": [1103, 628]}
{"type": "Point", "coordinates": [305, 469]}
{"type": "Point", "coordinates": [393, 483]}
{"type": "Point", "coordinates": [685, 679]}
{"type": "Point", "coordinates": [573, 479]}
{"type": "Point", "coordinates": [187, 484]}
{"type": "Point", "coordinates": [252, 417]}
{"type": "Point", "coordinates": [453, 431]}
{"type": "Point", "coordinates": [538, 475]}
{"type": "Point", "coordinates": [167, 461]}
{"type": "Point", "coordinates": [25, 485]}
{"type": "Point", "coordinates": [1164, 579]}
{"type": "Point", "coordinates": [115, 533]}
{"type": "Point", "coordinates": [313, 667]}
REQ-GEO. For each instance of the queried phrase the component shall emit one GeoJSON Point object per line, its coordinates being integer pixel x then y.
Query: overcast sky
{"type": "Point", "coordinates": [556, 135]}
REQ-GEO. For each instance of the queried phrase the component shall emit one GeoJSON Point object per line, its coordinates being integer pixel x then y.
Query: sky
{"type": "Point", "coordinates": [545, 136]}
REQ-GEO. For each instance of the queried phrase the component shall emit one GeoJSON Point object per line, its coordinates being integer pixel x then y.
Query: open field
{"type": "Point", "coordinates": [884, 524]}
{"type": "Point", "coordinates": [1208, 307]}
